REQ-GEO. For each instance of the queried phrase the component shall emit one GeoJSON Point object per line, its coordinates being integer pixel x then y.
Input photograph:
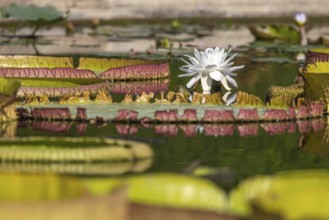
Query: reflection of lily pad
{"type": "Point", "coordinates": [292, 195]}
{"type": "Point", "coordinates": [32, 13]}
{"type": "Point", "coordinates": [316, 142]}
{"type": "Point", "coordinates": [83, 150]}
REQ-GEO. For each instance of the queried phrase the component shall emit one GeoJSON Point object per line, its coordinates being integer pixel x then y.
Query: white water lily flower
{"type": "Point", "coordinates": [300, 18]}
{"type": "Point", "coordinates": [208, 65]}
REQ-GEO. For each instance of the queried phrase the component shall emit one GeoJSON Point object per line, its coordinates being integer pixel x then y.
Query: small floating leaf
{"type": "Point", "coordinates": [276, 32]}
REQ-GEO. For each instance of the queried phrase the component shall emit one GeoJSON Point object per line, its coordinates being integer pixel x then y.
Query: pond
{"type": "Point", "coordinates": [224, 154]}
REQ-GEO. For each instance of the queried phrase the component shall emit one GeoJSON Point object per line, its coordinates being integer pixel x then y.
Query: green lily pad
{"type": "Point", "coordinates": [26, 61]}
{"type": "Point", "coordinates": [99, 65]}
{"type": "Point", "coordinates": [176, 191]}
{"type": "Point", "coordinates": [316, 74]}
{"type": "Point", "coordinates": [291, 195]}
{"type": "Point", "coordinates": [9, 87]}
{"type": "Point", "coordinates": [8, 91]}
{"type": "Point", "coordinates": [41, 187]}
{"type": "Point", "coordinates": [32, 13]}
{"type": "Point", "coordinates": [166, 190]}
{"type": "Point", "coordinates": [276, 32]}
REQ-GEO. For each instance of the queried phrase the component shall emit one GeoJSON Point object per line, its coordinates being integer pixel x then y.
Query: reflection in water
{"type": "Point", "coordinates": [316, 142]}
{"type": "Point", "coordinates": [8, 129]}
{"type": "Point", "coordinates": [189, 130]}
{"type": "Point", "coordinates": [74, 155]}
{"type": "Point", "coordinates": [229, 98]}
{"type": "Point", "coordinates": [118, 168]}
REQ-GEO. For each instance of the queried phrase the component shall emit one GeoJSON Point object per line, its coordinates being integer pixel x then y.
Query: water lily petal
{"type": "Point", "coordinates": [231, 81]}
{"type": "Point", "coordinates": [226, 95]}
{"type": "Point", "coordinates": [230, 98]}
{"type": "Point", "coordinates": [228, 60]}
{"type": "Point", "coordinates": [230, 74]}
{"type": "Point", "coordinates": [186, 74]}
{"type": "Point", "coordinates": [221, 56]}
{"type": "Point", "coordinates": [187, 70]}
{"type": "Point", "coordinates": [232, 69]}
{"type": "Point", "coordinates": [216, 75]}
{"type": "Point", "coordinates": [193, 60]}
{"type": "Point", "coordinates": [203, 59]}
{"type": "Point", "coordinates": [224, 83]}
{"type": "Point", "coordinates": [187, 66]}
{"type": "Point", "coordinates": [185, 61]}
{"type": "Point", "coordinates": [194, 80]}
{"type": "Point", "coordinates": [196, 54]}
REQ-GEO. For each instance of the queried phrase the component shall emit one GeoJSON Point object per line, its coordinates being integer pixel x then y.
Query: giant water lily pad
{"type": "Point", "coordinates": [45, 77]}
{"type": "Point", "coordinates": [100, 65]}
{"type": "Point", "coordinates": [26, 61]}
{"type": "Point", "coordinates": [38, 197]}
{"type": "Point", "coordinates": [41, 187]}
{"type": "Point", "coordinates": [32, 13]}
{"type": "Point", "coordinates": [316, 74]}
{"type": "Point", "coordinates": [8, 90]}
{"type": "Point", "coordinates": [166, 190]}
{"type": "Point", "coordinates": [290, 195]}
